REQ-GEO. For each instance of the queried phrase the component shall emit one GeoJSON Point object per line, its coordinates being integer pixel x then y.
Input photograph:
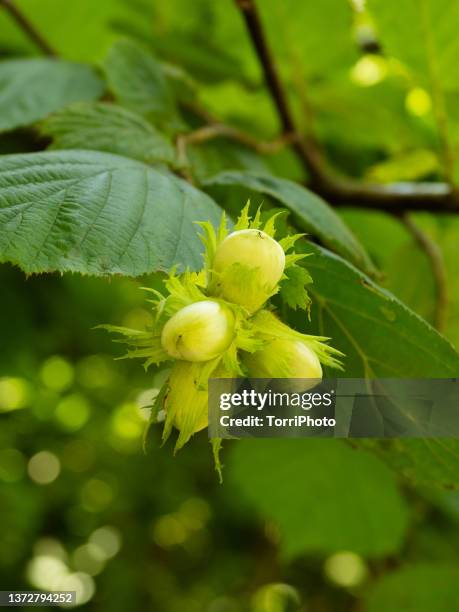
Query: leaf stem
{"type": "Point", "coordinates": [27, 27]}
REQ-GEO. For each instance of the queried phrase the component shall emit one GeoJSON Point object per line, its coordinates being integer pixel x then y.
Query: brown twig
{"type": "Point", "coordinates": [396, 198]}
{"type": "Point", "coordinates": [221, 130]}
{"type": "Point", "coordinates": [27, 27]}
{"type": "Point", "coordinates": [435, 256]}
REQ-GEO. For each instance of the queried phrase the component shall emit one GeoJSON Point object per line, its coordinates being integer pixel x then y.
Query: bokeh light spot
{"type": "Point", "coordinates": [57, 373]}
{"type": "Point", "coordinates": [418, 102]}
{"type": "Point", "coordinates": [346, 569]}
{"type": "Point", "coordinates": [369, 70]}
{"type": "Point", "coordinates": [276, 597]}
{"type": "Point", "coordinates": [44, 467]}
{"type": "Point", "coordinates": [88, 558]}
{"type": "Point", "coordinates": [46, 571]}
{"type": "Point", "coordinates": [50, 547]}
{"type": "Point", "coordinates": [107, 539]}
{"type": "Point", "coordinates": [72, 412]}
{"type": "Point", "coordinates": [127, 423]}
{"type": "Point", "coordinates": [169, 531]}
{"type": "Point", "coordinates": [14, 394]}
{"type": "Point", "coordinates": [81, 583]}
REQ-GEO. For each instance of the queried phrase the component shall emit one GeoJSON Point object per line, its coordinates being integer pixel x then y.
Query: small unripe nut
{"type": "Point", "coordinates": [199, 331]}
{"type": "Point", "coordinates": [248, 266]}
{"type": "Point", "coordinates": [284, 359]}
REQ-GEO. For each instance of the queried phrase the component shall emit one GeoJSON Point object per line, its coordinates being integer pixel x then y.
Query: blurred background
{"type": "Point", "coordinates": [307, 526]}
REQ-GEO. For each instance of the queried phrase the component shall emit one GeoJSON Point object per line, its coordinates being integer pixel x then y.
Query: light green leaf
{"type": "Point", "coordinates": [423, 35]}
{"type": "Point", "coordinates": [30, 89]}
{"type": "Point", "coordinates": [96, 213]}
{"type": "Point", "coordinates": [311, 213]}
{"type": "Point", "coordinates": [323, 496]}
{"type": "Point", "coordinates": [372, 118]}
{"type": "Point", "coordinates": [297, 31]}
{"type": "Point", "coordinates": [293, 289]}
{"type": "Point", "coordinates": [416, 588]}
{"type": "Point", "coordinates": [107, 127]}
{"type": "Point", "coordinates": [138, 82]}
{"type": "Point", "coordinates": [379, 335]}
{"type": "Point", "coordinates": [80, 31]}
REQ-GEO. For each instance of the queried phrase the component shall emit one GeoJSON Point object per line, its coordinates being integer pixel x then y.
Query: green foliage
{"type": "Point", "coordinates": [63, 27]}
{"type": "Point", "coordinates": [32, 88]}
{"type": "Point", "coordinates": [96, 213]}
{"type": "Point", "coordinates": [376, 85]}
{"type": "Point", "coordinates": [110, 128]}
{"type": "Point", "coordinates": [420, 35]}
{"type": "Point", "coordinates": [299, 52]}
{"type": "Point", "coordinates": [343, 499]}
{"type": "Point", "coordinates": [423, 40]}
{"type": "Point", "coordinates": [138, 82]}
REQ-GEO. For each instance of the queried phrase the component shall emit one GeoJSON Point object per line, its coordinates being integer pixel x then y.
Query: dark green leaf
{"type": "Point", "coordinates": [107, 127]}
{"type": "Point", "coordinates": [138, 82]}
{"type": "Point", "coordinates": [97, 213]}
{"type": "Point", "coordinates": [30, 89]}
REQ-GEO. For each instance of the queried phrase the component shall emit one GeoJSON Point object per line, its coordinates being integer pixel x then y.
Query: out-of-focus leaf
{"type": "Point", "coordinates": [297, 31]}
{"type": "Point", "coordinates": [312, 214]}
{"type": "Point", "coordinates": [323, 496]}
{"type": "Point", "coordinates": [416, 588]}
{"type": "Point", "coordinates": [423, 36]}
{"type": "Point", "coordinates": [375, 117]}
{"type": "Point", "coordinates": [412, 166]}
{"type": "Point", "coordinates": [80, 31]}
{"type": "Point", "coordinates": [207, 38]}
{"type": "Point", "coordinates": [249, 109]}
{"type": "Point", "coordinates": [108, 127]}
{"type": "Point", "coordinates": [96, 213]}
{"type": "Point", "coordinates": [138, 82]}
{"type": "Point", "coordinates": [30, 89]}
